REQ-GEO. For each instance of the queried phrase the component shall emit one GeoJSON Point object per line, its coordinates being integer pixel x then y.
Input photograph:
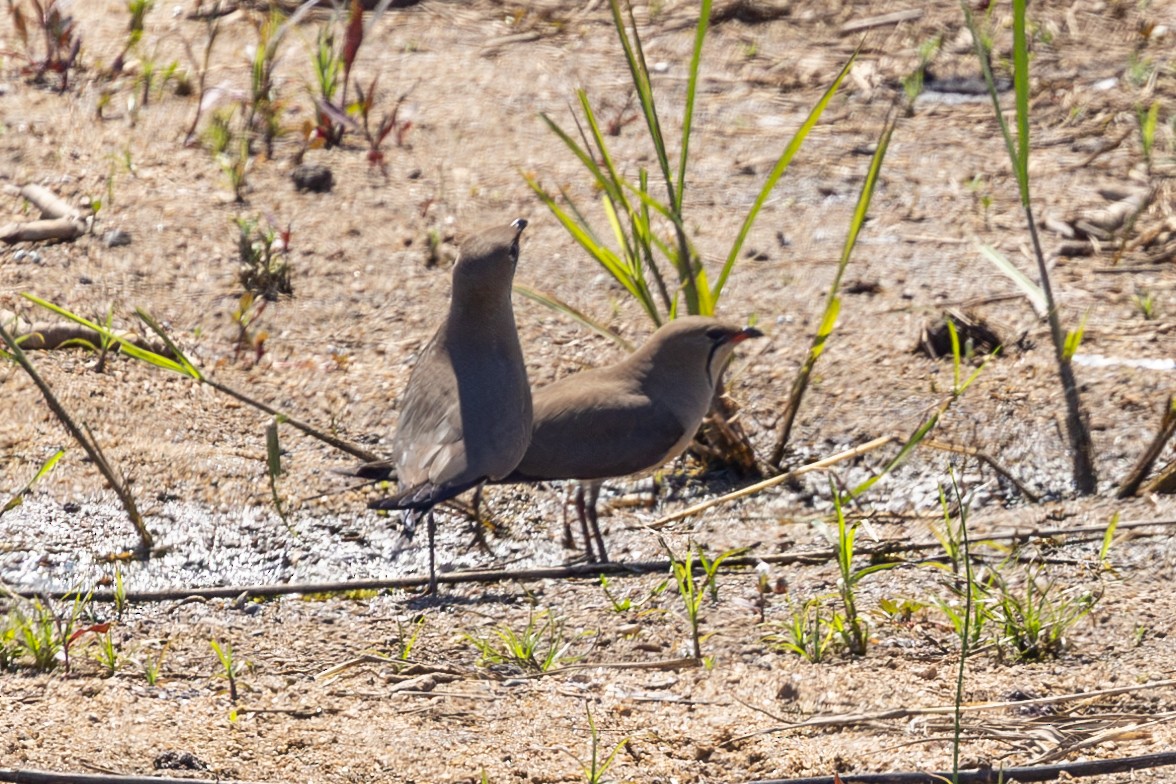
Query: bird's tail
{"type": "Point", "coordinates": [423, 497]}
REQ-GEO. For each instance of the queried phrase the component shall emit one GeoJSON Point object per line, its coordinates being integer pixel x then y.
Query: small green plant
{"type": "Point", "coordinates": [691, 590]}
{"type": "Point", "coordinates": [120, 593]}
{"type": "Point", "coordinates": [849, 624]}
{"type": "Point", "coordinates": [230, 668]}
{"type": "Point", "coordinates": [982, 196]}
{"type": "Point", "coordinates": [1147, 130]}
{"type": "Point", "coordinates": [105, 342]}
{"type": "Point", "coordinates": [107, 654]}
{"type": "Point", "coordinates": [1104, 551]}
{"type": "Point", "coordinates": [248, 312]}
{"type": "Point", "coordinates": [408, 634]}
{"type": "Point", "coordinates": [1034, 619]}
{"type": "Point", "coordinates": [1145, 301]}
{"type": "Point", "coordinates": [262, 251]}
{"type": "Point", "coordinates": [35, 634]}
{"type": "Point", "coordinates": [61, 42]}
{"type": "Point", "coordinates": [153, 665]}
{"type": "Point", "coordinates": [138, 10]}
{"type": "Point", "coordinates": [538, 648]}
{"type": "Point", "coordinates": [804, 632]}
{"type": "Point", "coordinates": [596, 768]}
{"type": "Point", "coordinates": [912, 83]}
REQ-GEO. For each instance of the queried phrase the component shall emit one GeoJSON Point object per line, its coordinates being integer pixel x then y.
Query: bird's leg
{"type": "Point", "coordinates": [432, 554]}
{"type": "Point", "coordinates": [581, 510]}
{"type": "Point", "coordinates": [569, 541]}
{"type": "Point", "coordinates": [593, 494]}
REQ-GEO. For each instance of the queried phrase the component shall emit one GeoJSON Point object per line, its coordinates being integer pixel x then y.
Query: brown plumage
{"type": "Point", "coordinates": [630, 417]}
{"type": "Point", "coordinates": [465, 415]}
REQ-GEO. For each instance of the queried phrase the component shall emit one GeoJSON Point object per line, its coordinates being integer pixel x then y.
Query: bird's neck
{"type": "Point", "coordinates": [483, 313]}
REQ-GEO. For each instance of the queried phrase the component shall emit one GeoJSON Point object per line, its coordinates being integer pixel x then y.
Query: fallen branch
{"type": "Point", "coordinates": [983, 456]}
{"type": "Point", "coordinates": [38, 230]}
{"type": "Point", "coordinates": [848, 454]}
{"type": "Point", "coordinates": [49, 203]}
{"type": "Point", "coordinates": [85, 439]}
{"type": "Point", "coordinates": [996, 775]}
{"type": "Point", "coordinates": [1143, 467]}
{"type": "Point", "coordinates": [52, 777]}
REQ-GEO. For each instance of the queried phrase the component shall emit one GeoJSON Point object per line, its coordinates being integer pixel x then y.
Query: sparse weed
{"type": "Point", "coordinates": [1145, 301]}
{"type": "Point", "coordinates": [538, 648]}
{"type": "Point", "coordinates": [1147, 130]}
{"type": "Point", "coordinates": [408, 634]}
{"type": "Point", "coordinates": [248, 312]}
{"type": "Point", "coordinates": [596, 768]}
{"type": "Point", "coordinates": [230, 668]}
{"type": "Point", "coordinates": [850, 625]}
{"type": "Point", "coordinates": [35, 633]}
{"type": "Point", "coordinates": [1034, 619]}
{"type": "Point", "coordinates": [107, 654]}
{"type": "Point", "coordinates": [804, 632]}
{"type": "Point", "coordinates": [691, 590]}
{"type": "Point", "coordinates": [61, 42]}
{"type": "Point", "coordinates": [912, 83]}
{"type": "Point", "coordinates": [262, 251]}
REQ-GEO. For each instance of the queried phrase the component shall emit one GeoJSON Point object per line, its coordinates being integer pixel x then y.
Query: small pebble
{"type": "Point", "coordinates": [313, 177]}
{"type": "Point", "coordinates": [116, 238]}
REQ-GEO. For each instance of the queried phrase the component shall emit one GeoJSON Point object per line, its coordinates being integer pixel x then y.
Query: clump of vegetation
{"type": "Point", "coordinates": [262, 250]}
{"type": "Point", "coordinates": [60, 41]}
{"type": "Point", "coordinates": [332, 62]}
{"type": "Point", "coordinates": [539, 647]}
{"type": "Point", "coordinates": [692, 591]}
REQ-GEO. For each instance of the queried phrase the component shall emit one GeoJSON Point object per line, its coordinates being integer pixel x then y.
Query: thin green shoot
{"type": "Point", "coordinates": [691, 590]}
{"type": "Point", "coordinates": [230, 669]}
{"type": "Point", "coordinates": [18, 498]}
{"type": "Point", "coordinates": [273, 465]}
{"type": "Point", "coordinates": [1104, 550]}
{"type": "Point", "coordinates": [596, 768]}
{"type": "Point", "coordinates": [1147, 130]}
{"type": "Point", "coordinates": [832, 300]}
{"type": "Point", "coordinates": [108, 655]}
{"type": "Point", "coordinates": [1077, 426]}
{"type": "Point", "coordinates": [965, 627]}
{"type": "Point", "coordinates": [407, 635]}
{"type": "Point", "coordinates": [958, 388]}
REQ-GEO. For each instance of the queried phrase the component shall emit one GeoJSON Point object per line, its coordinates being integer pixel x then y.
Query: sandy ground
{"type": "Point", "coordinates": [338, 352]}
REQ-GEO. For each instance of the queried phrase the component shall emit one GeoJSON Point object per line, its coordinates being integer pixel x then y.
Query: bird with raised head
{"type": "Point", "coordinates": [465, 416]}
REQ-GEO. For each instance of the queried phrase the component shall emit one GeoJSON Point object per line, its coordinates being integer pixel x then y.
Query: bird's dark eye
{"type": "Point", "coordinates": [717, 334]}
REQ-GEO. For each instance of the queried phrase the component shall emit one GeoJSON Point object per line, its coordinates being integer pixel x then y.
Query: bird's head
{"type": "Point", "coordinates": [488, 259]}
{"type": "Point", "coordinates": [696, 345]}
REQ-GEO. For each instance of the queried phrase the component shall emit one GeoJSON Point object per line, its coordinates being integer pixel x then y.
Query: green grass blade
{"type": "Point", "coordinates": [901, 457]}
{"type": "Point", "coordinates": [864, 198]}
{"type": "Point", "coordinates": [1021, 89]}
{"type": "Point", "coordinates": [46, 467]}
{"type": "Point", "coordinates": [125, 346]}
{"type": "Point", "coordinates": [189, 369]}
{"type": "Point", "coordinates": [639, 72]}
{"type": "Point", "coordinates": [982, 54]}
{"type": "Point", "coordinates": [1031, 290]}
{"type": "Point", "coordinates": [691, 90]}
{"type": "Point", "coordinates": [558, 305]}
{"type": "Point", "coordinates": [777, 171]}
